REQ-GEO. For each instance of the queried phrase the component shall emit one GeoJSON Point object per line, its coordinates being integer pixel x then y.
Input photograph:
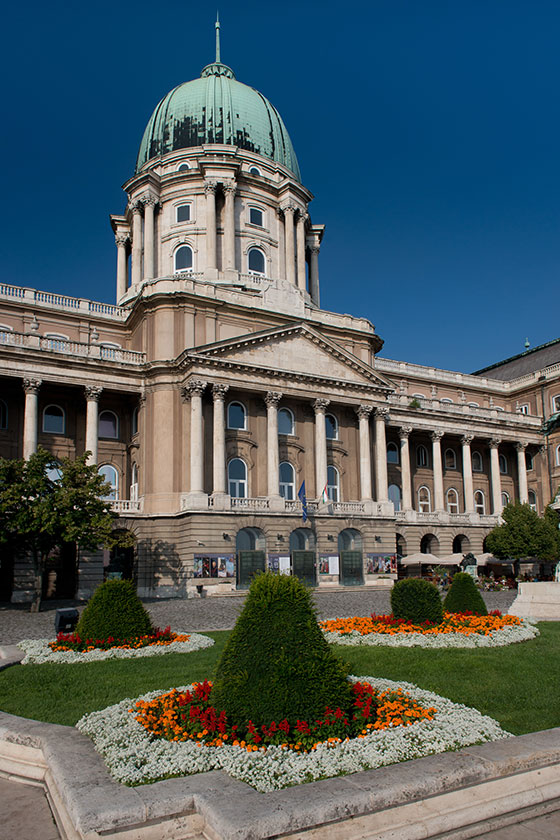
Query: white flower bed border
{"type": "Point", "coordinates": [134, 756]}
{"type": "Point", "coordinates": [498, 638]}
{"type": "Point", "coordinates": [38, 651]}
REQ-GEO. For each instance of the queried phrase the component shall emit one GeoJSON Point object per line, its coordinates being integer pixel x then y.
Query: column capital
{"type": "Point", "coordinates": [495, 442]}
{"type": "Point", "coordinates": [466, 440]}
{"type": "Point", "coordinates": [93, 392]}
{"type": "Point", "coordinates": [121, 240]}
{"type": "Point", "coordinates": [136, 207]}
{"type": "Point", "coordinates": [382, 413]}
{"type": "Point", "coordinates": [141, 400]}
{"type": "Point", "coordinates": [193, 388]}
{"type": "Point", "coordinates": [150, 199]}
{"type": "Point", "coordinates": [288, 207]}
{"type": "Point", "coordinates": [219, 391]}
{"type": "Point", "coordinates": [363, 411]}
{"type": "Point", "coordinates": [320, 405]}
{"type": "Point", "coordinates": [303, 216]}
{"type": "Point", "coordinates": [437, 434]}
{"type": "Point", "coordinates": [229, 188]}
{"type": "Point", "coordinates": [210, 186]}
{"type": "Point", "coordinates": [31, 386]}
{"type": "Point", "coordinates": [520, 446]}
{"type": "Point", "coordinates": [404, 432]}
{"type": "Point", "coordinates": [272, 398]}
{"type": "Point", "coordinates": [314, 249]}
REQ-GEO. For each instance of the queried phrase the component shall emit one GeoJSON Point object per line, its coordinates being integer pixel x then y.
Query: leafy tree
{"type": "Point", "coordinates": [40, 511]}
{"type": "Point", "coordinates": [525, 534]}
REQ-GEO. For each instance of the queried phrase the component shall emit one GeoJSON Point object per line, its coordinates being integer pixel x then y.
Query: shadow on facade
{"type": "Point", "coordinates": [159, 571]}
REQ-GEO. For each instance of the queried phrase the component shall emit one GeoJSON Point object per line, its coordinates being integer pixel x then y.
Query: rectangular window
{"type": "Point", "coordinates": [256, 216]}
{"type": "Point", "coordinates": [556, 404]}
{"type": "Point", "coordinates": [184, 213]}
{"type": "Point", "coordinates": [524, 409]}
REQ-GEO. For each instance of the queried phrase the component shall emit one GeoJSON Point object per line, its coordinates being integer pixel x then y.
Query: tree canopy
{"type": "Point", "coordinates": [525, 534]}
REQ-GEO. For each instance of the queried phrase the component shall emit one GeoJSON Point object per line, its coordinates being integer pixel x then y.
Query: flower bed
{"type": "Point", "coordinates": [71, 650]}
{"type": "Point", "coordinates": [135, 754]}
{"type": "Point", "coordinates": [456, 630]}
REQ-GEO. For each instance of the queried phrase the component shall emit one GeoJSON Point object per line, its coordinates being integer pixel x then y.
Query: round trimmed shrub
{"type": "Point", "coordinates": [277, 664]}
{"type": "Point", "coordinates": [463, 596]}
{"type": "Point", "coordinates": [114, 610]}
{"type": "Point", "coordinates": [417, 601]}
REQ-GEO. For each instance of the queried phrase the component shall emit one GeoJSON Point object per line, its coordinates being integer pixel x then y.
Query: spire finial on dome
{"type": "Point", "coordinates": [217, 38]}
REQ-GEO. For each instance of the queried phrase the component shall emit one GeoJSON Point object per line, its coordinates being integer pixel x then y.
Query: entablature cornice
{"type": "Point", "coordinates": [50, 376]}
{"type": "Point", "coordinates": [506, 432]}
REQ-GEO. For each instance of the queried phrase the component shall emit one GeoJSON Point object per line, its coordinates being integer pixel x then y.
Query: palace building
{"type": "Point", "coordinates": [216, 391]}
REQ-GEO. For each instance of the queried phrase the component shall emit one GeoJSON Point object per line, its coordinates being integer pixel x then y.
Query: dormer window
{"type": "Point", "coordinates": [183, 213]}
{"type": "Point", "coordinates": [256, 216]}
{"type": "Point", "coordinates": [183, 167]}
{"type": "Point", "coordinates": [254, 171]}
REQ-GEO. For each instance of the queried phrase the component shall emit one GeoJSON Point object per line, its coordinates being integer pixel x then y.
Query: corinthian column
{"type": "Point", "coordinates": [319, 407]}
{"type": "Point", "coordinates": [136, 243]}
{"type": "Point", "coordinates": [404, 433]}
{"type": "Point", "coordinates": [93, 392]}
{"type": "Point", "coordinates": [302, 218]}
{"type": "Point", "coordinates": [363, 412]}
{"type": "Point", "coordinates": [31, 388]}
{"type": "Point", "coordinates": [466, 441]}
{"type": "Point", "coordinates": [438, 471]}
{"type": "Point", "coordinates": [272, 399]}
{"type": "Point", "coordinates": [194, 391]}
{"type": "Point", "coordinates": [495, 477]}
{"type": "Point", "coordinates": [289, 209]}
{"type": "Point", "coordinates": [150, 203]}
{"type": "Point", "coordinates": [121, 243]}
{"type": "Point", "coordinates": [210, 192]}
{"type": "Point", "coordinates": [229, 226]}
{"type": "Point", "coordinates": [219, 442]}
{"type": "Point", "coordinates": [381, 417]}
{"type": "Point", "coordinates": [522, 472]}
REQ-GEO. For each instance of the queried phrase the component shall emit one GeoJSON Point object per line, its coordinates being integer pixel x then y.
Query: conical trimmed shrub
{"type": "Point", "coordinates": [114, 610]}
{"type": "Point", "coordinates": [276, 664]}
{"type": "Point", "coordinates": [463, 596]}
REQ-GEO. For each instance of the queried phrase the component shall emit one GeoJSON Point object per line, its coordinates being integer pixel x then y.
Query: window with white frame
{"type": "Point", "coordinates": [503, 461]}
{"type": "Point", "coordinates": [331, 427]}
{"type": "Point", "coordinates": [3, 415]}
{"type": "Point", "coordinates": [256, 261]}
{"type": "Point", "coordinates": [183, 213]}
{"type": "Point", "coordinates": [424, 500]}
{"type": "Point", "coordinates": [253, 170]}
{"type": "Point", "coordinates": [477, 462]}
{"type": "Point", "coordinates": [54, 420]}
{"type": "Point", "coordinates": [109, 350]}
{"type": "Point", "coordinates": [505, 499]}
{"type": "Point", "coordinates": [394, 492]}
{"type": "Point", "coordinates": [236, 416]}
{"type": "Point", "coordinates": [134, 483]}
{"type": "Point", "coordinates": [421, 456]}
{"type": "Point", "coordinates": [392, 453]}
{"type": "Point", "coordinates": [287, 481]}
{"type": "Point", "coordinates": [5, 332]}
{"type": "Point", "coordinates": [450, 459]}
{"type": "Point", "coordinates": [452, 499]}
{"type": "Point", "coordinates": [556, 403]}
{"type": "Point", "coordinates": [523, 409]}
{"type": "Point", "coordinates": [479, 502]}
{"type": "Point", "coordinates": [557, 459]}
{"type": "Point", "coordinates": [532, 498]}
{"type": "Point", "coordinates": [333, 484]}
{"type": "Point", "coordinates": [111, 476]}
{"type": "Point", "coordinates": [256, 216]}
{"type": "Point", "coordinates": [183, 260]}
{"type": "Point", "coordinates": [473, 405]}
{"type": "Point", "coordinates": [108, 425]}
{"type": "Point", "coordinates": [528, 461]}
{"type": "Point", "coordinates": [447, 401]}
{"type": "Point", "coordinates": [285, 422]}
{"type": "Point", "coordinates": [183, 167]}
{"type": "Point", "coordinates": [237, 478]}
{"type": "Point", "coordinates": [418, 397]}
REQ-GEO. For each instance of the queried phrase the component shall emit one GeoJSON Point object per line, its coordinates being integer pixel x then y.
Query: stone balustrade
{"type": "Point", "coordinates": [31, 341]}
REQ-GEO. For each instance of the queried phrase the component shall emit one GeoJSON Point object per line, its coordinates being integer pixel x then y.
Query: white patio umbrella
{"type": "Point", "coordinates": [451, 559]}
{"type": "Point", "coordinates": [424, 559]}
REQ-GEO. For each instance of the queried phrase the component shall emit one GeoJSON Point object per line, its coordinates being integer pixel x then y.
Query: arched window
{"type": "Point", "coordinates": [392, 453]}
{"type": "Point", "coordinates": [556, 404]}
{"type": "Point", "coordinates": [183, 259]}
{"type": "Point", "coordinates": [236, 416]}
{"type": "Point", "coordinates": [111, 476]}
{"type": "Point", "coordinates": [53, 420]}
{"type": "Point", "coordinates": [424, 500]}
{"type": "Point", "coordinates": [421, 456]}
{"type": "Point", "coordinates": [56, 341]}
{"type": "Point", "coordinates": [395, 496]}
{"type": "Point", "coordinates": [108, 425]}
{"type": "Point", "coordinates": [452, 500]}
{"type": "Point", "coordinates": [529, 460]}
{"type": "Point", "coordinates": [285, 422]}
{"type": "Point", "coordinates": [450, 459]}
{"type": "Point", "coordinates": [473, 405]}
{"type": "Point", "coordinates": [333, 484]}
{"type": "Point", "coordinates": [447, 401]}
{"type": "Point", "coordinates": [256, 216]}
{"type": "Point", "coordinates": [3, 415]}
{"type": "Point", "coordinates": [183, 167]}
{"type": "Point", "coordinates": [505, 499]}
{"type": "Point", "coordinates": [503, 464]}
{"type": "Point", "coordinates": [134, 483]}
{"type": "Point", "coordinates": [532, 497]}
{"type": "Point", "coordinates": [479, 502]}
{"type": "Point", "coordinates": [183, 213]}
{"type": "Point", "coordinates": [477, 461]}
{"type": "Point", "coordinates": [256, 261]}
{"type": "Point", "coordinates": [331, 425]}
{"type": "Point", "coordinates": [237, 478]}
{"type": "Point", "coordinates": [558, 456]}
{"type": "Point", "coordinates": [134, 424]}
{"type": "Point", "coordinates": [109, 350]}
{"type": "Point", "coordinates": [254, 171]}
{"type": "Point", "coordinates": [287, 481]}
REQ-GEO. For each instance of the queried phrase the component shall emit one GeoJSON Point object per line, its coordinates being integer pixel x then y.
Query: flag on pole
{"type": "Point", "coordinates": [324, 495]}
{"type": "Point", "coordinates": [303, 500]}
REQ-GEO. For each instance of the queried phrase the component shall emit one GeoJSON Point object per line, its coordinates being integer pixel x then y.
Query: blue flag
{"type": "Point", "coordinates": [303, 500]}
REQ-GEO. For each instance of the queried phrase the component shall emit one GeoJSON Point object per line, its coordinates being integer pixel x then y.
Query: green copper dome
{"type": "Point", "coordinates": [217, 109]}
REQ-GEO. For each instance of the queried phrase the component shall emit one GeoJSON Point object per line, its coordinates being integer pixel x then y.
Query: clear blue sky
{"type": "Point", "coordinates": [428, 132]}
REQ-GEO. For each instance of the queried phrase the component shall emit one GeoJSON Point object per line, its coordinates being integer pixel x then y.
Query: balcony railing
{"type": "Point", "coordinates": [71, 348]}
{"type": "Point", "coordinates": [72, 304]}
{"type": "Point", "coordinates": [250, 504]}
{"type": "Point", "coordinates": [127, 506]}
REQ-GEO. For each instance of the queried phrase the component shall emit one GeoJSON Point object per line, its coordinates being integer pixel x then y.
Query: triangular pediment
{"type": "Point", "coordinates": [299, 350]}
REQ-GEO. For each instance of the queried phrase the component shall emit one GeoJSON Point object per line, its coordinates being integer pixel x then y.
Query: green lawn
{"type": "Point", "coordinates": [516, 685]}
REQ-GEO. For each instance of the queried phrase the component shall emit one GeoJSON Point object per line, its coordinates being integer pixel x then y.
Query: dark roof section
{"type": "Point", "coordinates": [528, 362]}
